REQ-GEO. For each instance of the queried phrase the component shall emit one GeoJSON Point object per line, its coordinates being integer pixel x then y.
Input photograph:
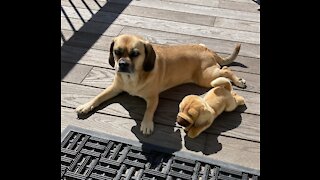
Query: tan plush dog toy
{"type": "Point", "coordinates": [197, 114]}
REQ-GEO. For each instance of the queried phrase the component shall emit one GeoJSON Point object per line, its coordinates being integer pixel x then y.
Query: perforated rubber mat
{"type": "Point", "coordinates": [91, 155]}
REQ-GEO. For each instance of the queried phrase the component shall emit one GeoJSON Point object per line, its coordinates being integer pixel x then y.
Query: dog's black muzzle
{"type": "Point", "coordinates": [124, 66]}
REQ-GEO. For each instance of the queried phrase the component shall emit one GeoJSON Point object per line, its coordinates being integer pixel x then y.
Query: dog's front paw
{"type": "Point", "coordinates": [84, 108]}
{"type": "Point", "coordinates": [242, 83]}
{"type": "Point", "coordinates": [146, 127]}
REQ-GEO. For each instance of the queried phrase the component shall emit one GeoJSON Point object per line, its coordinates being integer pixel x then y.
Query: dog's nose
{"type": "Point", "coordinates": [123, 64]}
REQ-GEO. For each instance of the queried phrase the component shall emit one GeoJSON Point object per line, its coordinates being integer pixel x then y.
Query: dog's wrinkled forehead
{"type": "Point", "coordinates": [127, 43]}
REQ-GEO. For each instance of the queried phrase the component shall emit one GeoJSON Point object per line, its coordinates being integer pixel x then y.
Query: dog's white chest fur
{"type": "Point", "coordinates": [130, 84]}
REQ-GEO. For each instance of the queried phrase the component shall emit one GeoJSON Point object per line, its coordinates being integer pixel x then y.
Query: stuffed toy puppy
{"type": "Point", "coordinates": [197, 114]}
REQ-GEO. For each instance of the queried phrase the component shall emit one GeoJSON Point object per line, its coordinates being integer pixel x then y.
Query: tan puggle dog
{"type": "Point", "coordinates": [197, 114]}
{"type": "Point", "coordinates": [145, 70]}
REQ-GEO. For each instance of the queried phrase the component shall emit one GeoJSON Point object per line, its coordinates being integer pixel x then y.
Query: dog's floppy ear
{"type": "Point", "coordinates": [111, 58]}
{"type": "Point", "coordinates": [150, 58]}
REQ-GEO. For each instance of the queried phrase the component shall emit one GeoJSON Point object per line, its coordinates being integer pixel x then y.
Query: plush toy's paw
{"type": "Point", "coordinates": [84, 108]}
{"type": "Point", "coordinates": [146, 127]}
{"type": "Point", "coordinates": [192, 134]}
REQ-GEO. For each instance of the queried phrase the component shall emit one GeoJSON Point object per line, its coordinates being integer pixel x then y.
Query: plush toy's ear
{"type": "Point", "coordinates": [194, 113]}
{"type": "Point", "coordinates": [204, 117]}
{"type": "Point", "coordinates": [150, 58]}
{"type": "Point", "coordinates": [111, 58]}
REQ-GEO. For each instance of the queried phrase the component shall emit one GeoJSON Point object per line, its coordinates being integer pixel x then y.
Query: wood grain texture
{"type": "Point", "coordinates": [92, 57]}
{"type": "Point", "coordinates": [244, 64]}
{"type": "Point", "coordinates": [87, 29]}
{"type": "Point", "coordinates": [218, 45]}
{"type": "Point", "coordinates": [100, 49]}
{"type": "Point", "coordinates": [252, 81]}
{"type": "Point", "coordinates": [248, 153]}
{"type": "Point", "coordinates": [241, 1]}
{"type": "Point", "coordinates": [84, 39]}
{"type": "Point", "coordinates": [252, 102]}
{"type": "Point", "coordinates": [91, 26]}
{"type": "Point", "coordinates": [101, 78]}
{"type": "Point", "coordinates": [239, 6]}
{"type": "Point", "coordinates": [74, 72]}
{"type": "Point", "coordinates": [144, 12]}
{"type": "Point", "coordinates": [194, 9]}
{"type": "Point", "coordinates": [86, 4]}
{"type": "Point", "coordinates": [237, 24]}
{"type": "Point", "coordinates": [165, 136]}
{"type": "Point", "coordinates": [167, 26]}
{"type": "Point", "coordinates": [224, 48]}
{"type": "Point", "coordinates": [128, 106]}
{"type": "Point", "coordinates": [170, 137]}
{"type": "Point", "coordinates": [240, 125]}
{"type": "Point", "coordinates": [211, 3]}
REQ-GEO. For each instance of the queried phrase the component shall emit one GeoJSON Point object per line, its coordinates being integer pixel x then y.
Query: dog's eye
{"type": "Point", "coordinates": [117, 52]}
{"type": "Point", "coordinates": [134, 54]}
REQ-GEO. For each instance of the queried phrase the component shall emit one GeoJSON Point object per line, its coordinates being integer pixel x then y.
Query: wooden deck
{"type": "Point", "coordinates": [87, 28]}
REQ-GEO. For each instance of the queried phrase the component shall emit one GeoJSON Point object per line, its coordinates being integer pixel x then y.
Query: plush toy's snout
{"type": "Point", "coordinates": [182, 122]}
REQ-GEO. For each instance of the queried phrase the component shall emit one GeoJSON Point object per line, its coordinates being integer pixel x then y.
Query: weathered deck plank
{"type": "Point", "coordinates": [241, 1]}
{"type": "Point", "coordinates": [74, 73]}
{"type": "Point", "coordinates": [146, 12]}
{"type": "Point", "coordinates": [252, 80]}
{"type": "Point", "coordinates": [250, 156]}
{"type": "Point", "coordinates": [84, 39]}
{"type": "Point", "coordinates": [170, 137]}
{"type": "Point", "coordinates": [245, 64]}
{"type": "Point", "coordinates": [99, 58]}
{"type": "Point", "coordinates": [92, 57]}
{"type": "Point", "coordinates": [87, 32]}
{"type": "Point", "coordinates": [237, 24]}
{"type": "Point", "coordinates": [128, 106]}
{"type": "Point", "coordinates": [218, 45]}
{"type": "Point", "coordinates": [101, 78]}
{"type": "Point", "coordinates": [164, 25]}
{"type": "Point", "coordinates": [211, 3]}
{"type": "Point", "coordinates": [92, 27]}
{"type": "Point", "coordinates": [194, 9]}
{"type": "Point", "coordinates": [166, 136]}
{"type": "Point", "coordinates": [245, 6]}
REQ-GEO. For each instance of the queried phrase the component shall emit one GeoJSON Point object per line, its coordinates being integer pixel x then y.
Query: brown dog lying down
{"type": "Point", "coordinates": [197, 114]}
{"type": "Point", "coordinates": [145, 70]}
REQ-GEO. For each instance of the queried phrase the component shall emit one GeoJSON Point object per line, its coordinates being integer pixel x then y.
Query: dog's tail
{"type": "Point", "coordinates": [222, 81]}
{"type": "Point", "coordinates": [227, 60]}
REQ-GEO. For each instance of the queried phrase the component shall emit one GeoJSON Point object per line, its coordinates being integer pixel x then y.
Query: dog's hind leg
{"type": "Point", "coordinates": [213, 72]}
{"type": "Point", "coordinates": [226, 72]}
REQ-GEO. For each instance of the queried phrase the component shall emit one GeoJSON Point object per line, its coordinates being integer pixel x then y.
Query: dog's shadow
{"type": "Point", "coordinates": [237, 64]}
{"type": "Point", "coordinates": [166, 132]}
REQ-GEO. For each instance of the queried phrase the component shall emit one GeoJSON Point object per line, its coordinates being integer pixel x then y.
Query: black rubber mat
{"type": "Point", "coordinates": [92, 155]}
